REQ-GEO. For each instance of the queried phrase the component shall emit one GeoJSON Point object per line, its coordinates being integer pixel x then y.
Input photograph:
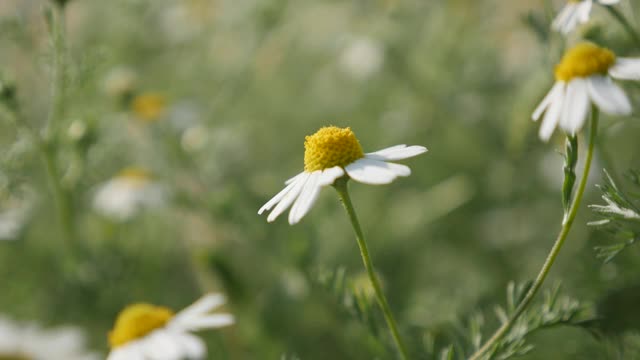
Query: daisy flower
{"type": "Point", "coordinates": [583, 76]}
{"type": "Point", "coordinates": [123, 196]}
{"type": "Point", "coordinates": [574, 13]}
{"type": "Point", "coordinates": [31, 342]}
{"type": "Point", "coordinates": [149, 107]}
{"type": "Point", "coordinates": [329, 154]}
{"type": "Point", "coordinates": [149, 332]}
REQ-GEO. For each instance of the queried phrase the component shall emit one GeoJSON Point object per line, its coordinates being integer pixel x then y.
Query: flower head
{"type": "Point", "coordinates": [584, 76]}
{"type": "Point", "coordinates": [31, 342]}
{"type": "Point", "coordinates": [329, 154]}
{"type": "Point", "coordinates": [124, 195]}
{"type": "Point", "coordinates": [149, 106]}
{"type": "Point", "coordinates": [150, 332]}
{"type": "Point", "coordinates": [574, 13]}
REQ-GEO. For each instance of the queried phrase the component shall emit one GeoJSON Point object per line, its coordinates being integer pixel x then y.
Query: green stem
{"type": "Point", "coordinates": [343, 192]}
{"type": "Point", "coordinates": [624, 22]}
{"type": "Point", "coordinates": [562, 236]}
{"type": "Point", "coordinates": [48, 149]}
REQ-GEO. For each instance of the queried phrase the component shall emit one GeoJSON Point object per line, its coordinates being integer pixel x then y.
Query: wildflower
{"type": "Point", "coordinates": [574, 13]}
{"type": "Point", "coordinates": [583, 76]}
{"type": "Point", "coordinates": [31, 342]}
{"type": "Point", "coordinates": [149, 106]}
{"type": "Point", "coordinates": [127, 193]}
{"type": "Point", "coordinates": [149, 332]}
{"type": "Point", "coordinates": [362, 58]}
{"type": "Point", "coordinates": [120, 82]}
{"type": "Point", "coordinates": [329, 154]}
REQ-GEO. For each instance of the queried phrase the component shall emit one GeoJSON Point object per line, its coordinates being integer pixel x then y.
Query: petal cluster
{"type": "Point", "coordinates": [31, 341]}
{"type": "Point", "coordinates": [569, 101]}
{"type": "Point", "coordinates": [126, 194]}
{"type": "Point", "coordinates": [302, 190]}
{"type": "Point", "coordinates": [174, 340]}
{"type": "Point", "coordinates": [575, 13]}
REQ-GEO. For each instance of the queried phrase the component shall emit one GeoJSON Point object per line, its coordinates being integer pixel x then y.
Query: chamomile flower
{"type": "Point", "coordinates": [149, 332]}
{"type": "Point", "coordinates": [583, 76]}
{"type": "Point", "coordinates": [31, 342]}
{"type": "Point", "coordinates": [574, 13]}
{"type": "Point", "coordinates": [329, 154]}
{"type": "Point", "coordinates": [129, 192]}
{"type": "Point", "coordinates": [149, 107]}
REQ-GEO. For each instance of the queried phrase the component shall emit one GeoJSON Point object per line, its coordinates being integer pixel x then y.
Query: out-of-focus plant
{"type": "Point", "coordinates": [620, 216]}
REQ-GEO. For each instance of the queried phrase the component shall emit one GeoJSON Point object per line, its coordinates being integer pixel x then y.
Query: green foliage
{"type": "Point", "coordinates": [552, 310]}
{"type": "Point", "coordinates": [620, 216]}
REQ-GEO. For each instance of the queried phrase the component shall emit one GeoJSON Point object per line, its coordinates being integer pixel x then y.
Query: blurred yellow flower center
{"type": "Point", "coordinates": [14, 357]}
{"type": "Point", "coordinates": [331, 146]}
{"type": "Point", "coordinates": [149, 106]}
{"type": "Point", "coordinates": [135, 175]}
{"type": "Point", "coordinates": [136, 321]}
{"type": "Point", "coordinates": [584, 60]}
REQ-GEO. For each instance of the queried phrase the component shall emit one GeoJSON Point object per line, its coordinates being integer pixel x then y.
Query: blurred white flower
{"type": "Point", "coordinates": [194, 138]}
{"type": "Point", "coordinates": [14, 216]}
{"type": "Point", "coordinates": [31, 342]}
{"type": "Point", "coordinates": [149, 332]}
{"type": "Point", "coordinates": [583, 77]}
{"type": "Point", "coordinates": [576, 12]}
{"type": "Point", "coordinates": [329, 154]}
{"type": "Point", "coordinates": [129, 192]}
{"type": "Point", "coordinates": [120, 81]}
{"type": "Point", "coordinates": [362, 58]}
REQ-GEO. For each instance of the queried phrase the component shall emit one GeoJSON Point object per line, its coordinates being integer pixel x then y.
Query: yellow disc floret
{"type": "Point", "coordinates": [135, 174]}
{"type": "Point", "coordinates": [584, 60]}
{"type": "Point", "coordinates": [331, 146]}
{"type": "Point", "coordinates": [136, 321]}
{"type": "Point", "coordinates": [149, 106]}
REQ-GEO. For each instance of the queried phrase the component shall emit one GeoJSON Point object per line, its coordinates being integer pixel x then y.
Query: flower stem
{"type": "Point", "coordinates": [562, 236]}
{"type": "Point", "coordinates": [625, 23]}
{"type": "Point", "coordinates": [48, 148]}
{"type": "Point", "coordinates": [341, 186]}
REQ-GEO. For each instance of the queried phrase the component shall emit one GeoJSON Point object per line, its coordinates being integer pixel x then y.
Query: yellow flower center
{"type": "Point", "coordinates": [584, 60]}
{"type": "Point", "coordinates": [4, 356]}
{"type": "Point", "coordinates": [149, 107]}
{"type": "Point", "coordinates": [136, 321]}
{"type": "Point", "coordinates": [331, 146]}
{"type": "Point", "coordinates": [134, 174]}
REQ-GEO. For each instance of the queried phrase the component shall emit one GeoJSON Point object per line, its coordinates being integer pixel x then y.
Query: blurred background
{"type": "Point", "coordinates": [197, 110]}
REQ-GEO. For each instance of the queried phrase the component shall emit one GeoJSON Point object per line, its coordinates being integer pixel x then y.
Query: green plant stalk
{"type": "Point", "coordinates": [49, 153]}
{"type": "Point", "coordinates": [625, 23]}
{"type": "Point", "coordinates": [341, 186]}
{"type": "Point", "coordinates": [553, 254]}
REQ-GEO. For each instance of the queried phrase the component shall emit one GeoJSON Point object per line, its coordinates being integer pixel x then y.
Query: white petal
{"type": "Point", "coordinates": [161, 345]}
{"type": "Point", "coordinates": [203, 305]}
{"type": "Point", "coordinates": [567, 19]}
{"type": "Point", "coordinates": [192, 346]}
{"type": "Point", "coordinates": [289, 197]}
{"type": "Point", "coordinates": [374, 172]}
{"type": "Point", "coordinates": [584, 10]}
{"type": "Point", "coordinates": [626, 69]}
{"type": "Point", "coordinates": [555, 91]}
{"type": "Point", "coordinates": [202, 322]}
{"type": "Point", "coordinates": [276, 199]}
{"type": "Point", "coordinates": [608, 2]}
{"type": "Point", "coordinates": [129, 351]}
{"type": "Point", "coordinates": [552, 115]}
{"type": "Point", "coordinates": [289, 181]}
{"type": "Point", "coordinates": [609, 97]}
{"type": "Point", "coordinates": [330, 175]}
{"type": "Point", "coordinates": [307, 198]}
{"type": "Point", "coordinates": [397, 152]}
{"type": "Point", "coordinates": [576, 106]}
